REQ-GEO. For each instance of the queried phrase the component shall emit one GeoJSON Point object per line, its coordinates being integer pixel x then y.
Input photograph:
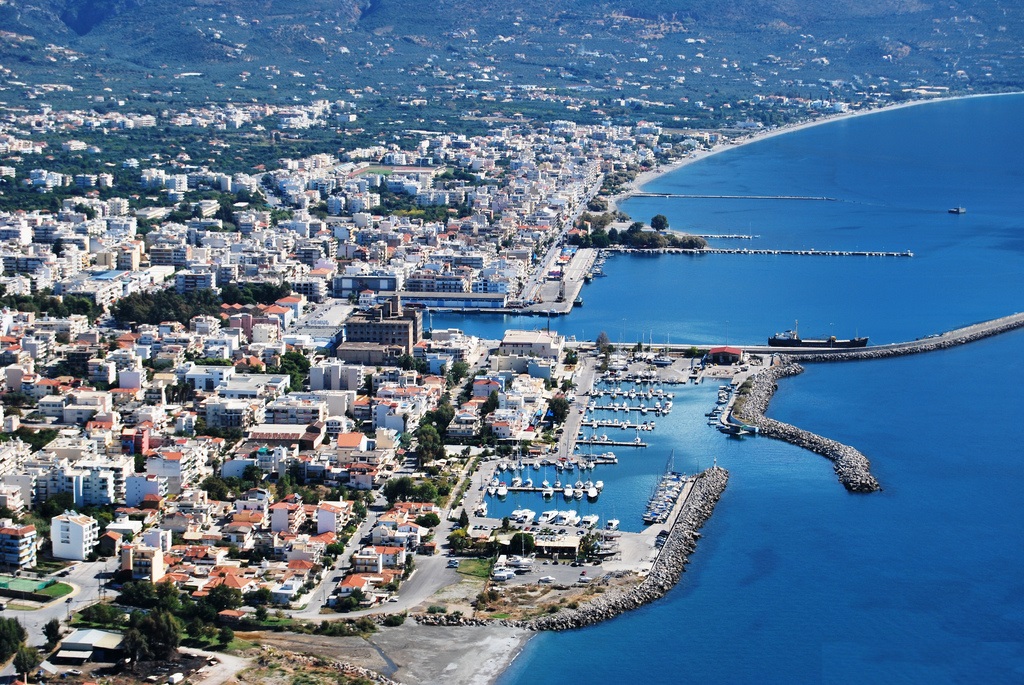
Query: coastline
{"type": "Point", "coordinates": [646, 177]}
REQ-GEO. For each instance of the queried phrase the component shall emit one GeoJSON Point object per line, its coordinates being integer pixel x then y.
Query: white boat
{"type": "Point", "coordinates": [481, 509]}
{"type": "Point", "coordinates": [548, 516]}
{"type": "Point", "coordinates": [492, 490]}
{"type": "Point", "coordinates": [516, 561]}
{"type": "Point", "coordinates": [502, 490]}
{"type": "Point", "coordinates": [528, 483]}
{"type": "Point", "coordinates": [546, 579]}
{"type": "Point", "coordinates": [599, 485]}
{"type": "Point", "coordinates": [577, 494]}
{"type": "Point", "coordinates": [547, 492]}
{"type": "Point", "coordinates": [592, 493]}
{"type": "Point", "coordinates": [517, 482]}
{"type": "Point", "coordinates": [589, 521]}
{"type": "Point", "coordinates": [494, 482]}
{"type": "Point", "coordinates": [502, 574]}
{"type": "Point", "coordinates": [567, 492]}
{"type": "Point", "coordinates": [567, 518]}
{"type": "Point", "coordinates": [611, 524]}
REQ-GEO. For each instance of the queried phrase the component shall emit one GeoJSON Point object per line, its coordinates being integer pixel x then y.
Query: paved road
{"type": "Point", "coordinates": [87, 579]}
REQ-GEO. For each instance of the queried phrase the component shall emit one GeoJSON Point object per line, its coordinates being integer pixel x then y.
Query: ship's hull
{"type": "Point", "coordinates": [776, 341]}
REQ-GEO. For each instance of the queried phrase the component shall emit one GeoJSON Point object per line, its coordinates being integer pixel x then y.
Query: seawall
{"type": "Point", "coordinates": [664, 574]}
{"type": "Point", "coordinates": [960, 336]}
{"type": "Point", "coordinates": [851, 466]}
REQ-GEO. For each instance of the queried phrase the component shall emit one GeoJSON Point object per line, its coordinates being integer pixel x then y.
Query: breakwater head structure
{"type": "Point", "coordinates": [694, 512]}
{"type": "Point", "coordinates": [851, 466]}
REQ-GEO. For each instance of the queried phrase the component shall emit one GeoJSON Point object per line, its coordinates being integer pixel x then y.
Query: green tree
{"type": "Point", "coordinates": [430, 520]}
{"type": "Point", "coordinates": [215, 487]}
{"type": "Point", "coordinates": [659, 222]}
{"type": "Point", "coordinates": [51, 630]}
{"type": "Point", "coordinates": [397, 489]}
{"type": "Point", "coordinates": [135, 645]}
{"type": "Point", "coordinates": [464, 520]}
{"type": "Point", "coordinates": [57, 504]}
{"type": "Point", "coordinates": [12, 635]}
{"type": "Point", "coordinates": [168, 598]}
{"type": "Point", "coordinates": [163, 633]}
{"type": "Point", "coordinates": [26, 659]}
{"type": "Point", "coordinates": [522, 543]}
{"type": "Point", "coordinates": [559, 408]}
{"type": "Point", "coordinates": [138, 593]}
{"type": "Point", "coordinates": [223, 597]}
{"type": "Point", "coordinates": [429, 444]}
{"type": "Point", "coordinates": [261, 613]}
{"type": "Point", "coordinates": [459, 540]}
{"type": "Point", "coordinates": [457, 372]}
{"type": "Point", "coordinates": [490, 404]}
{"type": "Point", "coordinates": [225, 636]}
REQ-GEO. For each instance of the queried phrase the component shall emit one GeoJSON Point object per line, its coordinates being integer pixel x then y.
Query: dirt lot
{"type": "Point", "coordinates": [411, 654]}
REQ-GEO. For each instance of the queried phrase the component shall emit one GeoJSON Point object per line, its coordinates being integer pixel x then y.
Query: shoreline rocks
{"type": "Point", "coordinates": [664, 574]}
{"type": "Point", "coordinates": [851, 466]}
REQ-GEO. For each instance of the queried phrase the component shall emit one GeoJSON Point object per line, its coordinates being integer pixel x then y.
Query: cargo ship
{"type": "Point", "coordinates": [792, 339]}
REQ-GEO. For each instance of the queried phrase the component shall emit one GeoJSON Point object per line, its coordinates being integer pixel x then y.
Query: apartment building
{"type": "Point", "coordinates": [73, 535]}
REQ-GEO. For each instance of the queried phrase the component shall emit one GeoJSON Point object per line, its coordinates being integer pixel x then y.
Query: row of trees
{"type": "Point", "coordinates": [44, 301]}
{"type": "Point", "coordinates": [167, 305]}
{"type": "Point", "coordinates": [635, 236]}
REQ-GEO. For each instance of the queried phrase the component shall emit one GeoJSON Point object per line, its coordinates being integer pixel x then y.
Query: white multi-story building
{"type": "Point", "coordinates": [73, 535]}
{"type": "Point", "coordinates": [286, 410]}
{"type": "Point", "coordinates": [138, 486]}
{"type": "Point", "coordinates": [181, 465]}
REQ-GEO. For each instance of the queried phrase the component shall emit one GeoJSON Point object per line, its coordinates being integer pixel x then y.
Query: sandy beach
{"type": "Point", "coordinates": [413, 654]}
{"type": "Point", "coordinates": [646, 177]}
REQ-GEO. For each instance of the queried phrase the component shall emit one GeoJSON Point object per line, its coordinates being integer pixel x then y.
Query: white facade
{"type": "Point", "coordinates": [73, 535]}
{"type": "Point", "coordinates": [138, 486]}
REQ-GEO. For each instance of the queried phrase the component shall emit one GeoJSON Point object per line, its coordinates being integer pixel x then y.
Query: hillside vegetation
{"type": "Point", "coordinates": [671, 51]}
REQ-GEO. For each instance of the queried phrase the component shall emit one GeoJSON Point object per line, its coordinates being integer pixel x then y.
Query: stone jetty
{"type": "Point", "coordinates": [959, 336]}
{"type": "Point", "coordinates": [851, 466]}
{"type": "Point", "coordinates": [664, 574]}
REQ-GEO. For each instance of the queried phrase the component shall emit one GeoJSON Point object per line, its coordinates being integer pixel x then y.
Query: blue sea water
{"type": "Point", "coordinates": [795, 580]}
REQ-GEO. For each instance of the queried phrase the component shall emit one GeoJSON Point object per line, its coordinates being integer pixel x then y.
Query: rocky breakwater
{"type": "Point", "coordinates": [851, 466]}
{"type": "Point", "coordinates": [960, 336]}
{"type": "Point", "coordinates": [664, 574]}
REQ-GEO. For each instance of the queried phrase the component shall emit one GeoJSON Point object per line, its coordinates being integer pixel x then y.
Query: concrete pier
{"type": "Point", "coordinates": [749, 251]}
{"type": "Point", "coordinates": [611, 443]}
{"type": "Point", "coordinates": [682, 196]}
